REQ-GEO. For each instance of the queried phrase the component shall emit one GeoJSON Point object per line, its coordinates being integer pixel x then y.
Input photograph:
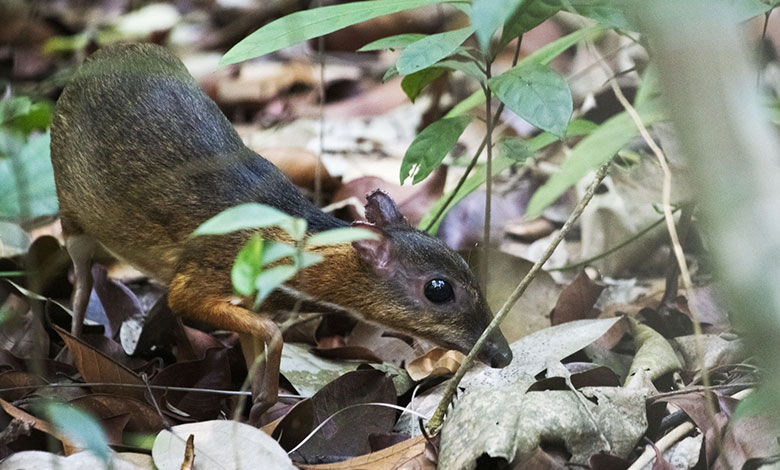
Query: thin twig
{"type": "Point", "coordinates": [475, 158]}
{"type": "Point", "coordinates": [438, 416]}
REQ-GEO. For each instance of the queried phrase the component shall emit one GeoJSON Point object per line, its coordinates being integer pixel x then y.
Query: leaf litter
{"type": "Point", "coordinates": [138, 370]}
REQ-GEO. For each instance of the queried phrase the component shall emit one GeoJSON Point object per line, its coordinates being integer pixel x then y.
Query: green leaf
{"type": "Point", "coordinates": [247, 266]}
{"type": "Point", "coordinates": [274, 251]}
{"type": "Point", "coordinates": [477, 179]}
{"type": "Point", "coordinates": [514, 148]}
{"type": "Point", "coordinates": [37, 118]}
{"type": "Point", "coordinates": [11, 108]}
{"type": "Point", "coordinates": [414, 83]}
{"type": "Point", "coordinates": [468, 67]}
{"type": "Point", "coordinates": [537, 94]}
{"type": "Point", "coordinates": [489, 15]}
{"type": "Point", "coordinates": [431, 49]}
{"type": "Point", "coordinates": [26, 177]}
{"type": "Point", "coordinates": [431, 146]}
{"type": "Point", "coordinates": [341, 235]}
{"type": "Point", "coordinates": [244, 216]}
{"type": "Point", "coordinates": [399, 41]}
{"type": "Point", "coordinates": [306, 24]}
{"type": "Point", "coordinates": [544, 55]}
{"type": "Point", "coordinates": [529, 15]}
{"type": "Point", "coordinates": [270, 279]}
{"type": "Point", "coordinates": [295, 227]}
{"type": "Point", "coordinates": [591, 152]}
{"type": "Point", "coordinates": [390, 73]}
{"type": "Point", "coordinates": [80, 427]}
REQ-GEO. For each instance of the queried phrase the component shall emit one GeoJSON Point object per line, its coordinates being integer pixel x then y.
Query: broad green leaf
{"type": "Point", "coordinates": [399, 41]}
{"type": "Point", "coordinates": [468, 67]}
{"type": "Point", "coordinates": [591, 152]}
{"type": "Point", "coordinates": [514, 148]}
{"type": "Point", "coordinates": [489, 15]}
{"type": "Point", "coordinates": [431, 146]}
{"type": "Point", "coordinates": [605, 12]}
{"type": "Point", "coordinates": [309, 258]}
{"type": "Point", "coordinates": [307, 24]}
{"type": "Point", "coordinates": [544, 55]}
{"type": "Point", "coordinates": [251, 215]}
{"type": "Point", "coordinates": [529, 15]}
{"type": "Point", "coordinates": [247, 266]}
{"type": "Point", "coordinates": [29, 163]}
{"type": "Point", "coordinates": [37, 118]}
{"type": "Point", "coordinates": [537, 94]}
{"type": "Point", "coordinates": [341, 235]}
{"type": "Point", "coordinates": [477, 179]}
{"type": "Point", "coordinates": [270, 279]}
{"type": "Point", "coordinates": [414, 83]}
{"type": "Point", "coordinates": [80, 427]}
{"type": "Point", "coordinates": [431, 49]}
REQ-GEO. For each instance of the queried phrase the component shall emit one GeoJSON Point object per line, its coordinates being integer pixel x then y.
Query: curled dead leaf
{"type": "Point", "coordinates": [435, 363]}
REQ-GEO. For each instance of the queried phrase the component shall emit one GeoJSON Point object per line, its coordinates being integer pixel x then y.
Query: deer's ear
{"type": "Point", "coordinates": [375, 252]}
{"type": "Point", "coordinates": [382, 211]}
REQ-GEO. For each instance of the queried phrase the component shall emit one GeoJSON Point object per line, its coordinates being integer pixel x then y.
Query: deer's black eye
{"type": "Point", "coordinates": [439, 291]}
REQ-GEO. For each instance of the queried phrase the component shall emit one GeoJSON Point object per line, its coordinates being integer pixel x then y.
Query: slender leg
{"type": "Point", "coordinates": [188, 299]}
{"type": "Point", "coordinates": [81, 249]}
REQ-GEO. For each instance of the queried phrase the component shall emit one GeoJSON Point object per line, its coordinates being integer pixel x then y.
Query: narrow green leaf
{"type": "Point", "coordinates": [274, 251]}
{"type": "Point", "coordinates": [341, 235]}
{"type": "Point", "coordinates": [80, 427]}
{"type": "Point", "coordinates": [399, 41]}
{"type": "Point", "coordinates": [537, 94]}
{"type": "Point", "coordinates": [477, 179]}
{"type": "Point", "coordinates": [242, 217]}
{"type": "Point", "coordinates": [414, 83]}
{"type": "Point", "coordinates": [307, 24]}
{"type": "Point", "coordinates": [489, 15]}
{"type": "Point", "coordinates": [247, 266]}
{"type": "Point", "coordinates": [529, 15]}
{"type": "Point", "coordinates": [270, 279]}
{"type": "Point", "coordinates": [431, 146]}
{"type": "Point", "coordinates": [390, 73]}
{"type": "Point", "coordinates": [11, 108]}
{"type": "Point", "coordinates": [431, 49]}
{"type": "Point", "coordinates": [295, 227]}
{"type": "Point", "coordinates": [544, 55]}
{"type": "Point", "coordinates": [591, 152]}
{"type": "Point", "coordinates": [308, 259]}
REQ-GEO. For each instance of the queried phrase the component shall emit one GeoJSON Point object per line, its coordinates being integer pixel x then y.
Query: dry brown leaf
{"type": "Point", "coordinates": [94, 366]}
{"type": "Point", "coordinates": [68, 446]}
{"type": "Point", "coordinates": [435, 363]}
{"type": "Point", "coordinates": [392, 458]}
{"type": "Point", "coordinates": [300, 165]}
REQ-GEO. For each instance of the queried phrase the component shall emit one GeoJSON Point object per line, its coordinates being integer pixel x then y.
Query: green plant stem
{"type": "Point", "coordinates": [615, 248]}
{"type": "Point", "coordinates": [438, 416]}
{"type": "Point", "coordinates": [488, 179]}
{"type": "Point", "coordinates": [475, 158]}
